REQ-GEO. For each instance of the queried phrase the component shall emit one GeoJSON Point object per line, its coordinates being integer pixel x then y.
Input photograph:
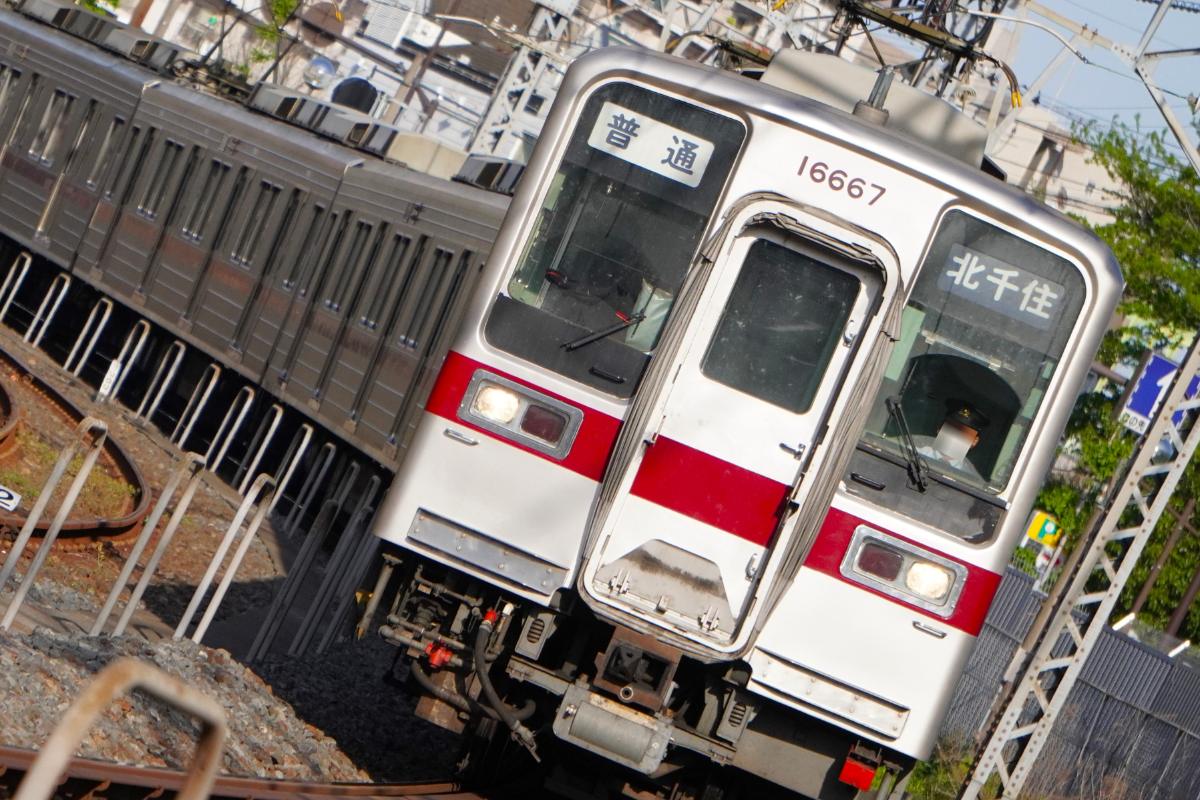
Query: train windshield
{"type": "Point", "coordinates": [985, 327]}
{"type": "Point", "coordinates": [614, 236]}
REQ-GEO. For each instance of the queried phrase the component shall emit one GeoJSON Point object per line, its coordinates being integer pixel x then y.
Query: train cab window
{"type": "Point", "coordinates": [103, 151]}
{"type": "Point", "coordinates": [981, 337]}
{"type": "Point", "coordinates": [615, 235]}
{"type": "Point", "coordinates": [49, 130]}
{"type": "Point", "coordinates": [256, 216]}
{"type": "Point", "coordinates": [388, 274]}
{"type": "Point", "coordinates": [784, 318]}
{"type": "Point", "coordinates": [203, 200]}
{"type": "Point", "coordinates": [161, 179]}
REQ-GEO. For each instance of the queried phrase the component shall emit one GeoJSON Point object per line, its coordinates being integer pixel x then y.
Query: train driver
{"type": "Point", "coordinates": [958, 434]}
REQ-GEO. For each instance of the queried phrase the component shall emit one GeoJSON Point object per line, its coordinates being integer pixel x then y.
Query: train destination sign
{"type": "Point", "coordinates": [1012, 291]}
{"type": "Point", "coordinates": [650, 144]}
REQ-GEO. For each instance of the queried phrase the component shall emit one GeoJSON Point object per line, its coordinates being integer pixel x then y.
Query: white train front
{"type": "Point", "coordinates": [745, 419]}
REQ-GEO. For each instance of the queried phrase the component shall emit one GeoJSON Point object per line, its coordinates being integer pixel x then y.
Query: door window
{"type": "Point", "coordinates": [778, 331]}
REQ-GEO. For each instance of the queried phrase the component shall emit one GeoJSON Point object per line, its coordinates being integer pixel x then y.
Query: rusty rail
{"type": "Point", "coordinates": [77, 528]}
{"type": "Point", "coordinates": [92, 774]}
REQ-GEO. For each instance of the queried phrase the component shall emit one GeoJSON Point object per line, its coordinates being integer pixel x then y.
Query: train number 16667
{"type": "Point", "coordinates": [839, 181]}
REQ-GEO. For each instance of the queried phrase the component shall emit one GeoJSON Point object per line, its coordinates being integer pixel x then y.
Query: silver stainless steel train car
{"type": "Point", "coordinates": [312, 267]}
{"type": "Point", "coordinates": [750, 410]}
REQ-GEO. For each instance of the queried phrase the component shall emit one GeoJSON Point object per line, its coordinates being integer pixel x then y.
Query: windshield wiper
{"type": "Point", "coordinates": [596, 336]}
{"type": "Point", "coordinates": [915, 464]}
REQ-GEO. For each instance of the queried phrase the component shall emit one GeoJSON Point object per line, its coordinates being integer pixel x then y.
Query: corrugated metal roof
{"type": "Point", "coordinates": [1126, 669]}
{"type": "Point", "coordinates": [1178, 699]}
{"type": "Point", "coordinates": [1014, 605]}
{"type": "Point", "coordinates": [1132, 719]}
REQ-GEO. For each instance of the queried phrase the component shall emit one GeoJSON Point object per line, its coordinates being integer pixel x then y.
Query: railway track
{"type": "Point", "coordinates": [88, 779]}
{"type": "Point", "coordinates": [77, 531]}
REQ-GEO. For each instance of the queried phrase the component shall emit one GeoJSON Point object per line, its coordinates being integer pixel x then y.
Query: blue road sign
{"type": "Point", "coordinates": [1149, 391]}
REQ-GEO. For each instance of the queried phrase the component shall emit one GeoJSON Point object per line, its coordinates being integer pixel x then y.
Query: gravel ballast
{"type": "Point", "coordinates": [41, 673]}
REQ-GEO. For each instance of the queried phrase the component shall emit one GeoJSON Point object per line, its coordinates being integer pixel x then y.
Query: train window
{"type": "Point", "coordinates": [232, 198]}
{"type": "Point", "coordinates": [258, 213]}
{"type": "Point", "coordinates": [69, 161]}
{"type": "Point", "coordinates": [195, 220]}
{"type": "Point", "coordinates": [102, 152]}
{"type": "Point", "coordinates": [275, 253]}
{"type": "Point", "coordinates": [984, 329]}
{"type": "Point", "coordinates": [615, 234]}
{"type": "Point", "coordinates": [343, 277]}
{"type": "Point", "coordinates": [333, 244]}
{"type": "Point", "coordinates": [161, 179]}
{"type": "Point", "coordinates": [8, 76]}
{"type": "Point", "coordinates": [303, 255]}
{"type": "Point", "coordinates": [26, 100]}
{"type": "Point", "coordinates": [135, 152]}
{"type": "Point", "coordinates": [49, 130]}
{"type": "Point", "coordinates": [388, 276]}
{"type": "Point", "coordinates": [782, 321]}
{"type": "Point", "coordinates": [420, 299]}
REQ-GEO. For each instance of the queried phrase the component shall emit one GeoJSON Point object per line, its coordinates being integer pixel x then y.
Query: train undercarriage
{"type": "Point", "coordinates": [603, 711]}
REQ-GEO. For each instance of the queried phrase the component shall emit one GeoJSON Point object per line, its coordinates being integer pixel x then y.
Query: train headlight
{"type": "Point", "coordinates": [928, 580]}
{"type": "Point", "coordinates": [496, 403]}
{"type": "Point", "coordinates": [903, 570]}
{"type": "Point", "coordinates": [520, 414]}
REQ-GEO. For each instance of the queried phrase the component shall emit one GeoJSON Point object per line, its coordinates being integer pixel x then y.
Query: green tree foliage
{"type": "Point", "coordinates": [1155, 235]}
{"type": "Point", "coordinates": [1156, 231]}
{"type": "Point", "coordinates": [105, 7]}
{"type": "Point", "coordinates": [278, 12]}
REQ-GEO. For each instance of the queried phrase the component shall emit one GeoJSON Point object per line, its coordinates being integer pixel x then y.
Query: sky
{"type": "Point", "coordinates": [1107, 87]}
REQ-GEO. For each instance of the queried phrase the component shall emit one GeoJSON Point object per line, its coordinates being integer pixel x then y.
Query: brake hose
{"type": "Point", "coordinates": [507, 715]}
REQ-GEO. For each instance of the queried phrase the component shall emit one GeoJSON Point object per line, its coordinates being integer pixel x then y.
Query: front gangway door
{"type": "Point", "coordinates": [702, 504]}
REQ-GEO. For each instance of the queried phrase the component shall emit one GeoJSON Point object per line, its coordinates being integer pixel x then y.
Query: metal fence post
{"type": "Point", "coordinates": [195, 405]}
{"type": "Point", "coordinates": [264, 506]}
{"type": "Point", "coordinates": [301, 565]}
{"type": "Point", "coordinates": [226, 432]}
{"type": "Point", "coordinates": [235, 525]}
{"type": "Point", "coordinates": [157, 388]}
{"type": "Point", "coordinates": [263, 436]}
{"type": "Point", "coordinates": [168, 534]}
{"type": "Point", "coordinates": [312, 482]}
{"type": "Point", "coordinates": [59, 286]}
{"type": "Point", "coordinates": [98, 329]}
{"type": "Point", "coordinates": [333, 570]}
{"type": "Point", "coordinates": [135, 339]}
{"type": "Point", "coordinates": [192, 463]}
{"type": "Point", "coordinates": [98, 431]}
{"type": "Point", "coordinates": [13, 280]}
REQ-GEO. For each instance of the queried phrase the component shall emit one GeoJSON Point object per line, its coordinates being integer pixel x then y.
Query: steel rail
{"type": "Point", "coordinates": [81, 531]}
{"type": "Point", "coordinates": [153, 781]}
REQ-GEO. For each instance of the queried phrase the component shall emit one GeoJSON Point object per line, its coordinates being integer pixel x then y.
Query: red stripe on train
{"type": "Point", "coordinates": [593, 443]}
{"type": "Point", "coordinates": [715, 492]}
{"type": "Point", "coordinates": [834, 540]}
